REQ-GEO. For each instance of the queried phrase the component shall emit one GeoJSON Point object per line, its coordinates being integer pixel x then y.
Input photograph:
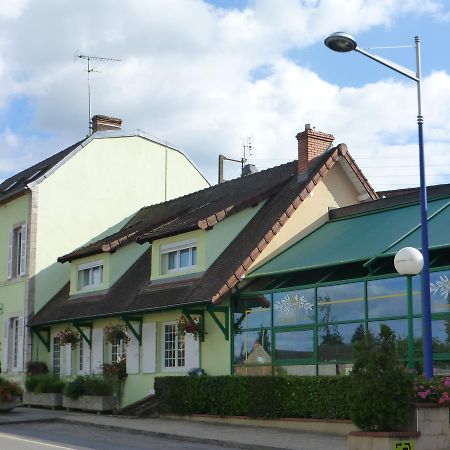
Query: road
{"type": "Point", "coordinates": [61, 436]}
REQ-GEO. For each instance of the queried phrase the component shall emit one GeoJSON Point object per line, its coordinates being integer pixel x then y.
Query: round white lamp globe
{"type": "Point", "coordinates": [408, 261]}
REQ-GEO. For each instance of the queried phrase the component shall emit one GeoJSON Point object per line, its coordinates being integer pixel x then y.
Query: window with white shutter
{"type": "Point", "coordinates": [17, 251]}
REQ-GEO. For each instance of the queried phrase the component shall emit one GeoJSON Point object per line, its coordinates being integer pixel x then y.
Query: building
{"type": "Point", "coordinates": [86, 191]}
{"type": "Point", "coordinates": [185, 257]}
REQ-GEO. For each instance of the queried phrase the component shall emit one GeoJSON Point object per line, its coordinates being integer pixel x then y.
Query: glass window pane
{"type": "Point", "coordinates": [253, 312]}
{"type": "Point", "coordinates": [440, 338]}
{"type": "Point", "coordinates": [184, 257]}
{"type": "Point", "coordinates": [97, 275]}
{"type": "Point", "coordinates": [172, 260]}
{"type": "Point", "coordinates": [417, 294]}
{"type": "Point", "coordinates": [387, 297]}
{"type": "Point", "coordinates": [194, 256]}
{"type": "Point", "coordinates": [440, 291]}
{"type": "Point", "coordinates": [302, 370]}
{"type": "Point", "coordinates": [252, 347]}
{"type": "Point", "coordinates": [335, 342]}
{"type": "Point", "coordinates": [400, 328]}
{"type": "Point", "coordinates": [340, 302]}
{"type": "Point", "coordinates": [86, 277]}
{"type": "Point", "coordinates": [294, 345]}
{"type": "Point", "coordinates": [294, 307]}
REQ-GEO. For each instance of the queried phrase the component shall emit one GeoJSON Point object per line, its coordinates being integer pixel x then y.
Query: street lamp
{"type": "Point", "coordinates": [343, 43]}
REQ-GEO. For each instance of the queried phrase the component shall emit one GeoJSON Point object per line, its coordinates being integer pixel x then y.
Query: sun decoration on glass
{"type": "Point", "coordinates": [293, 307]}
{"type": "Point", "coordinates": [441, 286]}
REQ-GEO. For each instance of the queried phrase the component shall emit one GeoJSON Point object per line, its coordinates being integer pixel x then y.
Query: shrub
{"type": "Point", "coordinates": [44, 384]}
{"type": "Point", "coordinates": [36, 367]}
{"type": "Point", "coordinates": [255, 396]}
{"type": "Point", "coordinates": [9, 390]}
{"type": "Point", "coordinates": [381, 389]}
{"type": "Point", "coordinates": [88, 385]}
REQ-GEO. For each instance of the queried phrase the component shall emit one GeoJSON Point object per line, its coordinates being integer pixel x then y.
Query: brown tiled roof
{"type": "Point", "coordinates": [134, 292]}
{"type": "Point", "coordinates": [16, 185]}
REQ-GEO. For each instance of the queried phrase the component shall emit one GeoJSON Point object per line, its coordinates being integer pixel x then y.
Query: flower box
{"type": "Point", "coordinates": [48, 400]}
{"type": "Point", "coordinates": [6, 406]}
{"type": "Point", "coordinates": [91, 403]}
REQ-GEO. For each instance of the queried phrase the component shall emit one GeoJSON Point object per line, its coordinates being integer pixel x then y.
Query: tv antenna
{"type": "Point", "coordinates": [90, 58]}
{"type": "Point", "coordinates": [247, 146]}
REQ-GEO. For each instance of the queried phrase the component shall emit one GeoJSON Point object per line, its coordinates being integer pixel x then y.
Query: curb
{"type": "Point", "coordinates": [178, 437]}
{"type": "Point", "coordinates": [22, 421]}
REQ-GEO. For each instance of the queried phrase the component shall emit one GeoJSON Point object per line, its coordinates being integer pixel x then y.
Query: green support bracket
{"type": "Point", "coordinates": [137, 333]}
{"type": "Point", "coordinates": [377, 269]}
{"type": "Point", "coordinates": [199, 312]}
{"type": "Point", "coordinates": [44, 339]}
{"type": "Point", "coordinates": [225, 328]}
{"type": "Point", "coordinates": [79, 326]}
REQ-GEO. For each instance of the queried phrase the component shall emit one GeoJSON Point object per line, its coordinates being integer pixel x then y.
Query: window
{"type": "Point", "coordinates": [118, 351]}
{"type": "Point", "coordinates": [178, 256]}
{"type": "Point", "coordinates": [173, 345]}
{"type": "Point", "coordinates": [90, 275]}
{"type": "Point", "coordinates": [80, 356]}
{"type": "Point", "coordinates": [17, 251]}
{"type": "Point", "coordinates": [56, 356]}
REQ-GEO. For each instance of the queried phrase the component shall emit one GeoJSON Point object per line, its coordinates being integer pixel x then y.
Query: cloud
{"type": "Point", "coordinates": [187, 76]}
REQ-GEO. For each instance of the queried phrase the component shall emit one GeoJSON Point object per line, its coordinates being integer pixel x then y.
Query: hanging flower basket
{"type": "Point", "coordinates": [69, 336]}
{"type": "Point", "coordinates": [192, 326]}
{"type": "Point", "coordinates": [116, 333]}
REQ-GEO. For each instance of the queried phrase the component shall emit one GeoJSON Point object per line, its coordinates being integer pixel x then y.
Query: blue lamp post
{"type": "Point", "coordinates": [343, 43]}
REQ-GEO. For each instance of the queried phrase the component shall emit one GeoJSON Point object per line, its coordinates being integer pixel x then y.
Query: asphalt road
{"type": "Point", "coordinates": [61, 436]}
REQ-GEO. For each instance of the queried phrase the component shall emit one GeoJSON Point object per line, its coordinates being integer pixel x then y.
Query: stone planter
{"type": "Point", "coordinates": [7, 406]}
{"type": "Point", "coordinates": [431, 420]}
{"type": "Point", "coordinates": [383, 440]}
{"type": "Point", "coordinates": [49, 400]}
{"type": "Point", "coordinates": [91, 403]}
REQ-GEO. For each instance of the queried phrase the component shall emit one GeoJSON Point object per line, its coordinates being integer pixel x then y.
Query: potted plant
{"type": "Point", "coordinates": [9, 393]}
{"type": "Point", "coordinates": [192, 326]}
{"type": "Point", "coordinates": [117, 373]}
{"type": "Point", "coordinates": [43, 390]}
{"type": "Point", "coordinates": [36, 368]}
{"type": "Point", "coordinates": [69, 336]}
{"type": "Point", "coordinates": [381, 394]}
{"type": "Point", "coordinates": [90, 392]}
{"type": "Point", "coordinates": [116, 333]}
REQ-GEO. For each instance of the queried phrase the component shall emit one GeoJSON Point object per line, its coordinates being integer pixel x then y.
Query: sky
{"type": "Point", "coordinates": [205, 76]}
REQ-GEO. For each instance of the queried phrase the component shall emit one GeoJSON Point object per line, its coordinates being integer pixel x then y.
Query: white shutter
{"type": "Point", "coordinates": [192, 351]}
{"type": "Point", "coordinates": [149, 347]}
{"type": "Point", "coordinates": [20, 348]}
{"type": "Point", "coordinates": [62, 360]}
{"type": "Point", "coordinates": [23, 251]}
{"type": "Point", "coordinates": [133, 355]}
{"type": "Point", "coordinates": [68, 365]}
{"type": "Point", "coordinates": [10, 253]}
{"type": "Point", "coordinates": [5, 346]}
{"type": "Point", "coordinates": [86, 358]}
{"type": "Point", "coordinates": [97, 350]}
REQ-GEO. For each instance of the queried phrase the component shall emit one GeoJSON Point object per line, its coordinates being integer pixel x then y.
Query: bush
{"type": "Point", "coordinates": [36, 367]}
{"type": "Point", "coordinates": [88, 385]}
{"type": "Point", "coordinates": [381, 389]}
{"type": "Point", "coordinates": [9, 390]}
{"type": "Point", "coordinates": [44, 384]}
{"type": "Point", "coordinates": [255, 396]}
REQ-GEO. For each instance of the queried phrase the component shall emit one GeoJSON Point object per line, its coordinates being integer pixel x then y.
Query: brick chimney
{"type": "Point", "coordinates": [311, 143]}
{"type": "Point", "coordinates": [102, 123]}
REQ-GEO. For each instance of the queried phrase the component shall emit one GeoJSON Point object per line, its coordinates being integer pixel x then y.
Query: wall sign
{"type": "Point", "coordinates": [403, 445]}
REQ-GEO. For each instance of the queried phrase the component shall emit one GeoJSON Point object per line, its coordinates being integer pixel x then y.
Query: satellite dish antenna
{"type": "Point", "coordinates": [90, 58]}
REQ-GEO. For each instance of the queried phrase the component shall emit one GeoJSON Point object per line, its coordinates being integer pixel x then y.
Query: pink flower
{"type": "Point", "coordinates": [447, 381]}
{"type": "Point", "coordinates": [423, 395]}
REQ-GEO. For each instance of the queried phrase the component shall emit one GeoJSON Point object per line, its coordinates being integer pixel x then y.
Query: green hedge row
{"type": "Point", "coordinates": [287, 396]}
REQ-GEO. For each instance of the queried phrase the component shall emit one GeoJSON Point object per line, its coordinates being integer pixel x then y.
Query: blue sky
{"type": "Point", "coordinates": [204, 76]}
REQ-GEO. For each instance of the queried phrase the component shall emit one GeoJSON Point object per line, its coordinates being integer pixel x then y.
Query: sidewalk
{"type": "Point", "coordinates": [222, 435]}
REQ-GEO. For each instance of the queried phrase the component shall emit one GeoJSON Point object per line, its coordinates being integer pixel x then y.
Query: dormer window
{"type": "Point", "coordinates": [90, 275]}
{"type": "Point", "coordinates": [178, 256]}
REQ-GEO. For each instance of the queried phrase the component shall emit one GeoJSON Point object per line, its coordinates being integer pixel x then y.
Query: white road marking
{"type": "Point", "coordinates": [15, 438]}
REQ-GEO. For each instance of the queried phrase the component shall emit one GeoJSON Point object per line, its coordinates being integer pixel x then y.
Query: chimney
{"type": "Point", "coordinates": [102, 123]}
{"type": "Point", "coordinates": [311, 143]}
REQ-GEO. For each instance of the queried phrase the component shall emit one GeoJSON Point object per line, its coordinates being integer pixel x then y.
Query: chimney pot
{"type": "Point", "coordinates": [102, 123]}
{"type": "Point", "coordinates": [311, 143]}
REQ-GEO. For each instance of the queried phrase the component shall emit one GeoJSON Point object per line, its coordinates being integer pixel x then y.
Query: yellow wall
{"type": "Point", "coordinates": [334, 191]}
{"type": "Point", "coordinates": [90, 195]}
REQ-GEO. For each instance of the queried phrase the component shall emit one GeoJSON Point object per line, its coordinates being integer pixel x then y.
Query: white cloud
{"type": "Point", "coordinates": [185, 76]}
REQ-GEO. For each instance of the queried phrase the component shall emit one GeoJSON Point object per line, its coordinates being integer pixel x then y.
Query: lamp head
{"type": "Point", "coordinates": [340, 42]}
{"type": "Point", "coordinates": [408, 261]}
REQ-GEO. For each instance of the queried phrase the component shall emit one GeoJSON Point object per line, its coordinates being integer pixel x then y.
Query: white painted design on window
{"type": "Point", "coordinates": [291, 305]}
{"type": "Point", "coordinates": [441, 286]}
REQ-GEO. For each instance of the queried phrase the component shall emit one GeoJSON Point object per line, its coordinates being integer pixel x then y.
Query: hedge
{"type": "Point", "coordinates": [255, 396]}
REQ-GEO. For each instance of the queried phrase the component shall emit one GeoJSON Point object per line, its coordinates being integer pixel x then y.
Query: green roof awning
{"type": "Point", "coordinates": [361, 238]}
